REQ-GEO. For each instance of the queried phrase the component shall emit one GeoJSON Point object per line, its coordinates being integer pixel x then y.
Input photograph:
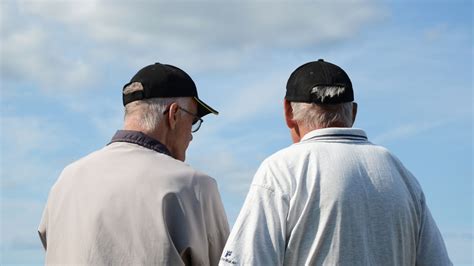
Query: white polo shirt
{"type": "Point", "coordinates": [334, 199]}
{"type": "Point", "coordinates": [131, 203]}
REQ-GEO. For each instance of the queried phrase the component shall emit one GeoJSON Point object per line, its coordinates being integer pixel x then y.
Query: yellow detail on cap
{"type": "Point", "coordinates": [206, 106]}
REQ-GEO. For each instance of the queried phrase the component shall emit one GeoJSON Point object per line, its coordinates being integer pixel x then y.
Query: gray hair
{"type": "Point", "coordinates": [149, 112]}
{"type": "Point", "coordinates": [316, 116]}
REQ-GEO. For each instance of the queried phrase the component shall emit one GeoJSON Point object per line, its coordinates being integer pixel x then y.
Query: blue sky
{"type": "Point", "coordinates": [63, 64]}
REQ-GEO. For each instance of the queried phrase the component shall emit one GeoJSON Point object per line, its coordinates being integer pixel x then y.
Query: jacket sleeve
{"type": "Point", "coordinates": [431, 249]}
{"type": "Point", "coordinates": [42, 227]}
{"type": "Point", "coordinates": [217, 226]}
{"type": "Point", "coordinates": [259, 234]}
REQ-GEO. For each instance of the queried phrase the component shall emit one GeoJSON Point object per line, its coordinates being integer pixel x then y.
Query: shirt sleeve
{"type": "Point", "coordinates": [259, 234]}
{"type": "Point", "coordinates": [431, 249]}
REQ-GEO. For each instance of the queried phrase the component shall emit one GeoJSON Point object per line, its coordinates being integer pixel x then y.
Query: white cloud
{"type": "Point", "coordinates": [234, 158]}
{"type": "Point", "coordinates": [232, 173]}
{"type": "Point", "coordinates": [20, 243]}
{"type": "Point", "coordinates": [27, 134]}
{"type": "Point", "coordinates": [60, 45]}
{"type": "Point", "coordinates": [407, 130]}
{"type": "Point", "coordinates": [109, 120]}
{"type": "Point", "coordinates": [255, 99]}
{"type": "Point", "coordinates": [21, 213]}
{"type": "Point", "coordinates": [460, 245]}
{"type": "Point", "coordinates": [222, 35]}
{"type": "Point", "coordinates": [28, 151]}
{"type": "Point", "coordinates": [435, 33]}
{"type": "Point", "coordinates": [235, 24]}
{"type": "Point", "coordinates": [31, 54]}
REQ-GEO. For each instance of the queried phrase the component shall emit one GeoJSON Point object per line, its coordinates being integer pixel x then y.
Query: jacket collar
{"type": "Point", "coordinates": [141, 139]}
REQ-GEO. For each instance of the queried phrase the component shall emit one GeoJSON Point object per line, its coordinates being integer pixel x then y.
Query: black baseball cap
{"type": "Point", "coordinates": [309, 83]}
{"type": "Point", "coordinates": [165, 81]}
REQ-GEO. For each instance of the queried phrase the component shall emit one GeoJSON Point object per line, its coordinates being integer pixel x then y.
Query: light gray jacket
{"type": "Point", "coordinates": [132, 204]}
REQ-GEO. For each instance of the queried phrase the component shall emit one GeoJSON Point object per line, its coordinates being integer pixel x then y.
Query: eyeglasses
{"type": "Point", "coordinates": [197, 121]}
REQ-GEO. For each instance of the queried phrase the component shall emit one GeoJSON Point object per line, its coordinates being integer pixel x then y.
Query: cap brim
{"type": "Point", "coordinates": [204, 109]}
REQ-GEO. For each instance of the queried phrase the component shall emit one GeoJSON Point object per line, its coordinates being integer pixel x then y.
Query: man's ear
{"type": "Point", "coordinates": [173, 115]}
{"type": "Point", "coordinates": [354, 112]}
{"type": "Point", "coordinates": [291, 123]}
{"type": "Point", "coordinates": [289, 115]}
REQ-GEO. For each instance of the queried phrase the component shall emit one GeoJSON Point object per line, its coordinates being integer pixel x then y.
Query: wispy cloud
{"type": "Point", "coordinates": [256, 99]}
{"type": "Point", "coordinates": [30, 151]}
{"type": "Point", "coordinates": [407, 130]}
{"type": "Point", "coordinates": [17, 210]}
{"type": "Point", "coordinates": [20, 246]}
{"type": "Point", "coordinates": [235, 24]}
{"type": "Point", "coordinates": [460, 245]}
{"type": "Point", "coordinates": [242, 51]}
{"type": "Point", "coordinates": [233, 157]}
{"type": "Point", "coordinates": [436, 32]}
{"type": "Point", "coordinates": [30, 54]}
{"type": "Point", "coordinates": [181, 32]}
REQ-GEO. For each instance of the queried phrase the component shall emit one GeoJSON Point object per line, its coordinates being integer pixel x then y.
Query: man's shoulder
{"type": "Point", "coordinates": [82, 160]}
{"type": "Point", "coordinates": [301, 152]}
{"type": "Point", "coordinates": [276, 165]}
{"type": "Point", "coordinates": [181, 170]}
{"type": "Point", "coordinates": [285, 154]}
{"type": "Point", "coordinates": [201, 177]}
{"type": "Point", "coordinates": [96, 157]}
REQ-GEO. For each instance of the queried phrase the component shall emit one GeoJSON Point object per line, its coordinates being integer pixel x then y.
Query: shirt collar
{"type": "Point", "coordinates": [141, 139]}
{"type": "Point", "coordinates": [335, 133]}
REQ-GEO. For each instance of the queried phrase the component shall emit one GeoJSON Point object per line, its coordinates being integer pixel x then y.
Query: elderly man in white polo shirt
{"type": "Point", "coordinates": [332, 198]}
{"type": "Point", "coordinates": [135, 201]}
